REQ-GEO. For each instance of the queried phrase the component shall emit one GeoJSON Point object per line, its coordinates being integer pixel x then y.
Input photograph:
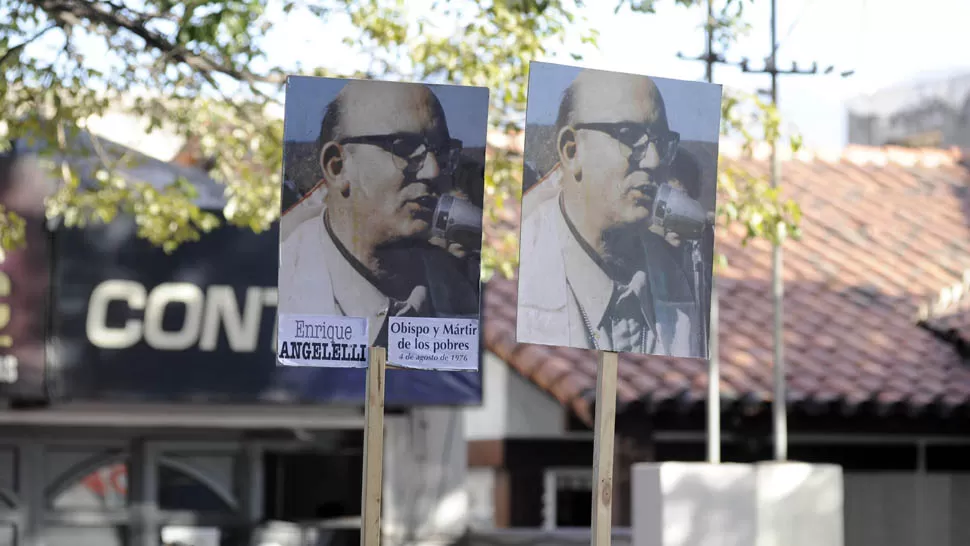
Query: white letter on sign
{"type": "Point", "coordinates": [98, 331]}
{"type": "Point", "coordinates": [242, 331]}
{"type": "Point", "coordinates": [164, 294]}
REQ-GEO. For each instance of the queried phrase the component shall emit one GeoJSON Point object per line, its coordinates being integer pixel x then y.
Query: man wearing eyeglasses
{"type": "Point", "coordinates": [592, 274]}
{"type": "Point", "coordinates": [386, 156]}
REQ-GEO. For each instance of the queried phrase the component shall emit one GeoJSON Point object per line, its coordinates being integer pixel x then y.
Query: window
{"type": "Point", "coordinates": [213, 467]}
{"type": "Point", "coordinates": [181, 488]}
{"type": "Point", "coordinates": [8, 470]}
{"type": "Point", "coordinates": [567, 498]}
{"type": "Point", "coordinates": [305, 487]}
{"type": "Point", "coordinates": [86, 479]}
{"type": "Point", "coordinates": [105, 488]}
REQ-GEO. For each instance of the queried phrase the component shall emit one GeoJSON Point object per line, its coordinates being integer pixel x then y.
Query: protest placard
{"type": "Point", "coordinates": [382, 220]}
{"type": "Point", "coordinates": [617, 237]}
{"type": "Point", "coordinates": [381, 237]}
{"type": "Point", "coordinates": [617, 234]}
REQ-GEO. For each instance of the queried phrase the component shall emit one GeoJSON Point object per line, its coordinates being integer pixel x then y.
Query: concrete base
{"type": "Point", "coordinates": [799, 504]}
{"type": "Point", "coordinates": [764, 504]}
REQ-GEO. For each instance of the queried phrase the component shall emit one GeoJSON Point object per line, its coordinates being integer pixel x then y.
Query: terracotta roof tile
{"type": "Point", "coordinates": [884, 230]}
{"type": "Point", "coordinates": [947, 314]}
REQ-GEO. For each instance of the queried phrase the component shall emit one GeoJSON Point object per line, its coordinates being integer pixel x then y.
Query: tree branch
{"type": "Point", "coordinates": [10, 52]}
{"type": "Point", "coordinates": [74, 12]}
{"type": "Point", "coordinates": [142, 16]}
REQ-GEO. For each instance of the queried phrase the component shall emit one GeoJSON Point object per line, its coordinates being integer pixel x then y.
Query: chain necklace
{"type": "Point", "coordinates": [591, 333]}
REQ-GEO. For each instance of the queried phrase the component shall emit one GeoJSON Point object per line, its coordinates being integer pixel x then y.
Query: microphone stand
{"type": "Point", "coordinates": [675, 211]}
{"type": "Point", "coordinates": [697, 267]}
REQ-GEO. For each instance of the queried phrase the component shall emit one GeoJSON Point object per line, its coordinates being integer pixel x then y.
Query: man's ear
{"type": "Point", "coordinates": [569, 151]}
{"type": "Point", "coordinates": [332, 164]}
{"type": "Point", "coordinates": [332, 160]}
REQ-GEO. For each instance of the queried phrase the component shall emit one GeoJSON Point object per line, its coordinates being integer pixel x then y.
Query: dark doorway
{"type": "Point", "coordinates": [318, 490]}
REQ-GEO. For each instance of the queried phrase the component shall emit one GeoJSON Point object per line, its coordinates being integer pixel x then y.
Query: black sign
{"type": "Point", "coordinates": [132, 323]}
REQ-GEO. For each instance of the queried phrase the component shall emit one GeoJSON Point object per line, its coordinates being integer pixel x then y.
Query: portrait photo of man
{"type": "Point", "coordinates": [616, 237]}
{"type": "Point", "coordinates": [368, 168]}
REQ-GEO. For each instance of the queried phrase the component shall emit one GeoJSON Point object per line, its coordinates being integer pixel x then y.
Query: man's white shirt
{"type": "Point", "coordinates": [316, 279]}
{"type": "Point", "coordinates": [554, 266]}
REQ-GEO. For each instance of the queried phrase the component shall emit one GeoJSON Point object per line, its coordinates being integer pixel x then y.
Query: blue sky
{"type": "Point", "coordinates": [691, 106]}
{"type": "Point", "coordinates": [466, 109]}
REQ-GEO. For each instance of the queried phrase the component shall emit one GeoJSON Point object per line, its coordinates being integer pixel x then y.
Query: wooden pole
{"type": "Point", "coordinates": [603, 449]}
{"type": "Point", "coordinates": [370, 522]}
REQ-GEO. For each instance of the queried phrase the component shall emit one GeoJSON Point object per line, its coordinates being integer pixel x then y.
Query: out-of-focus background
{"type": "Point", "coordinates": [141, 401]}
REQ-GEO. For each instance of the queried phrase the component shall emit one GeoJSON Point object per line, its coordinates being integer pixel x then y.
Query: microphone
{"type": "Point", "coordinates": [458, 221]}
{"type": "Point", "coordinates": [676, 212]}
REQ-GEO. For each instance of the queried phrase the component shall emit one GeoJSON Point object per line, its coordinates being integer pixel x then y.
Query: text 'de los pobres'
{"type": "Point", "coordinates": [322, 341]}
{"type": "Point", "coordinates": [433, 343]}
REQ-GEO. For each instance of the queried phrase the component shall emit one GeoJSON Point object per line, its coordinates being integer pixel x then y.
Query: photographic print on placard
{"type": "Point", "coordinates": [381, 228]}
{"type": "Point", "coordinates": [618, 205]}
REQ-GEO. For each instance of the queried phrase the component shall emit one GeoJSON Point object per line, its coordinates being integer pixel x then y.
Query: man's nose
{"type": "Point", "coordinates": [430, 169]}
{"type": "Point", "coordinates": [651, 157]}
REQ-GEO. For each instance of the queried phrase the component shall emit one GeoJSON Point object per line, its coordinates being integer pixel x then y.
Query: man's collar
{"type": "Point", "coordinates": [360, 268]}
{"type": "Point", "coordinates": [354, 287]}
{"type": "Point", "coordinates": [585, 271]}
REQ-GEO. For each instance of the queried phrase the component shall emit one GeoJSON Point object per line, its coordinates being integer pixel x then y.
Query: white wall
{"type": "Point", "coordinates": [480, 485]}
{"type": "Point", "coordinates": [425, 461]}
{"type": "Point", "coordinates": [512, 407]}
{"type": "Point", "coordinates": [430, 497]}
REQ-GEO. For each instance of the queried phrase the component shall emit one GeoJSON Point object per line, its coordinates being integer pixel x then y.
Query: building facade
{"type": "Point", "coordinates": [876, 382]}
{"type": "Point", "coordinates": [142, 403]}
{"type": "Point", "coordinates": [932, 114]}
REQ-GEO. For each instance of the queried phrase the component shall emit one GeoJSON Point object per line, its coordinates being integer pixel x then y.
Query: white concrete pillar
{"type": "Point", "coordinates": [693, 504]}
{"type": "Point", "coordinates": [799, 504]}
{"type": "Point", "coordinates": [425, 461]}
{"type": "Point", "coordinates": [728, 504]}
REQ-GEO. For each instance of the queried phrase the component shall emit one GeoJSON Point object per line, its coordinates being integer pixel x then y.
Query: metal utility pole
{"type": "Point", "coordinates": [780, 403]}
{"type": "Point", "coordinates": [709, 27]}
{"type": "Point", "coordinates": [713, 367]}
{"type": "Point", "coordinates": [713, 363]}
{"type": "Point", "coordinates": [779, 407]}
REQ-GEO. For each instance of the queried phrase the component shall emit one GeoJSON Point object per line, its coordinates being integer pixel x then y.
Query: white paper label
{"type": "Point", "coordinates": [433, 343]}
{"type": "Point", "coordinates": [322, 341]}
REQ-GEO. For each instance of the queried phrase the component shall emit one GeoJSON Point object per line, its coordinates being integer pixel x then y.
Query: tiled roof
{"type": "Point", "coordinates": [948, 316]}
{"type": "Point", "coordinates": [884, 229]}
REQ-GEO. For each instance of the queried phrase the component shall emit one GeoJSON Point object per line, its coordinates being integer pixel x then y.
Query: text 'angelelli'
{"type": "Point", "coordinates": [316, 350]}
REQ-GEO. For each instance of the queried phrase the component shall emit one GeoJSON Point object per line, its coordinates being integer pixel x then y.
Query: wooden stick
{"type": "Point", "coordinates": [603, 449]}
{"type": "Point", "coordinates": [370, 521]}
